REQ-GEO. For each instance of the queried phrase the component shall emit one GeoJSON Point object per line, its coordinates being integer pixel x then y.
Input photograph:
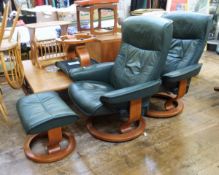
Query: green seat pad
{"type": "Point", "coordinates": [41, 112]}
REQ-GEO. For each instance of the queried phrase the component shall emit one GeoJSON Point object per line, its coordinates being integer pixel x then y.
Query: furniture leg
{"type": "Point", "coordinates": [115, 29]}
{"type": "Point", "coordinates": [64, 29]}
{"type": "Point", "coordinates": [78, 19]}
{"type": "Point", "coordinates": [99, 19]}
{"type": "Point", "coordinates": [84, 56]}
{"type": "Point", "coordinates": [92, 20]}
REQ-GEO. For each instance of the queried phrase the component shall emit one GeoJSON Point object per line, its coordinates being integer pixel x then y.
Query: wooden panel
{"type": "Point", "coordinates": [40, 80]}
{"type": "Point", "coordinates": [106, 48]}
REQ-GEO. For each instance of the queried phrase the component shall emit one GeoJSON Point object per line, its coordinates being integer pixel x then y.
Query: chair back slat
{"type": "Point", "coordinates": [14, 23]}
{"type": "Point", "coordinates": [4, 21]}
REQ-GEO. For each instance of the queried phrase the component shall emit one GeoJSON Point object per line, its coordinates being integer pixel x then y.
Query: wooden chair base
{"type": "Point", "coordinates": [125, 135]}
{"type": "Point", "coordinates": [54, 152]}
{"type": "Point", "coordinates": [173, 107]}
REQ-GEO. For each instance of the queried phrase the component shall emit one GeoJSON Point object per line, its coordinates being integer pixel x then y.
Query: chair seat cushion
{"type": "Point", "coordinates": [44, 111]}
{"type": "Point", "coordinates": [86, 96]}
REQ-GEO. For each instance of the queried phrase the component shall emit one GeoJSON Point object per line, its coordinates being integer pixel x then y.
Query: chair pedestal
{"type": "Point", "coordinates": [126, 136]}
{"type": "Point", "coordinates": [173, 105]}
{"type": "Point", "coordinates": [126, 131]}
{"type": "Point", "coordinates": [91, 9]}
{"type": "Point", "coordinates": [55, 153]}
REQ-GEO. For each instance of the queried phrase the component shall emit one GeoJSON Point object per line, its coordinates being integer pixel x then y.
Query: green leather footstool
{"type": "Point", "coordinates": [44, 115]}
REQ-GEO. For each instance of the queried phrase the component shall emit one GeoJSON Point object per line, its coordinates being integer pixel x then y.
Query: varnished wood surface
{"type": "Point", "coordinates": [127, 131]}
{"type": "Point", "coordinates": [7, 45]}
{"type": "Point", "coordinates": [47, 24]}
{"type": "Point", "coordinates": [185, 145]}
{"type": "Point", "coordinates": [4, 21]}
{"type": "Point", "coordinates": [40, 80]}
{"type": "Point", "coordinates": [98, 7]}
{"type": "Point", "coordinates": [106, 48]}
{"type": "Point", "coordinates": [54, 152]}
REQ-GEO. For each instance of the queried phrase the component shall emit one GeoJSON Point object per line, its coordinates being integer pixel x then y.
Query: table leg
{"type": "Point", "coordinates": [32, 45]}
{"type": "Point", "coordinates": [64, 29]}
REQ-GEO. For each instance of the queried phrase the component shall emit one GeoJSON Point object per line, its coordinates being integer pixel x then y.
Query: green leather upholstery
{"type": "Point", "coordinates": [93, 72]}
{"type": "Point", "coordinates": [184, 73]}
{"type": "Point", "coordinates": [100, 89]}
{"type": "Point", "coordinates": [44, 111]}
{"type": "Point", "coordinates": [88, 93]}
{"type": "Point", "coordinates": [143, 48]}
{"type": "Point", "coordinates": [130, 93]}
{"type": "Point", "coordinates": [190, 32]}
{"type": "Point", "coordinates": [217, 50]}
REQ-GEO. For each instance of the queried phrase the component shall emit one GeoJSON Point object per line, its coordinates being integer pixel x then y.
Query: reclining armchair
{"type": "Point", "coordinates": [190, 33]}
{"type": "Point", "coordinates": [107, 88]}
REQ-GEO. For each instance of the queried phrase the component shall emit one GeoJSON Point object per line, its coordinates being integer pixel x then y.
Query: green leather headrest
{"type": "Point", "coordinates": [189, 25]}
{"type": "Point", "coordinates": [146, 32]}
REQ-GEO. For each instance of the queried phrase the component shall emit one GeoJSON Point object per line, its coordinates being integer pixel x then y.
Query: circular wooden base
{"type": "Point", "coordinates": [129, 135]}
{"type": "Point", "coordinates": [173, 107]}
{"type": "Point", "coordinates": [48, 158]}
{"type": "Point", "coordinates": [216, 88]}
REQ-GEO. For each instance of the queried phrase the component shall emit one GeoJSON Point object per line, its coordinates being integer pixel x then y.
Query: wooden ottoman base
{"type": "Point", "coordinates": [54, 150]}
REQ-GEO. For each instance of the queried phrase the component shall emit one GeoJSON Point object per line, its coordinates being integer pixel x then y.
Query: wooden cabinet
{"type": "Point", "coordinates": [106, 48]}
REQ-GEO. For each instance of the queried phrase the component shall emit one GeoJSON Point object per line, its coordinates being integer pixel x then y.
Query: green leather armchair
{"type": "Point", "coordinates": [107, 88]}
{"type": "Point", "coordinates": [190, 33]}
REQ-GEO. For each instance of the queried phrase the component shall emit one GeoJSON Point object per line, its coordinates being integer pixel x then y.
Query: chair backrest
{"type": "Point", "coordinates": [190, 33]}
{"type": "Point", "coordinates": [14, 23]}
{"type": "Point", "coordinates": [4, 21]}
{"type": "Point", "coordinates": [145, 44]}
{"type": "Point", "coordinates": [12, 66]}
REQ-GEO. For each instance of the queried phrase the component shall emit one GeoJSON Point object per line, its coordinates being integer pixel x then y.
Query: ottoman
{"type": "Point", "coordinates": [44, 115]}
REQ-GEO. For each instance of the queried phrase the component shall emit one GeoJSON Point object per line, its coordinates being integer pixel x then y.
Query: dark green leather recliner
{"type": "Point", "coordinates": [190, 33]}
{"type": "Point", "coordinates": [107, 88]}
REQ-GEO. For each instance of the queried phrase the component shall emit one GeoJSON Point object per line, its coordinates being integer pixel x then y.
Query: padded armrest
{"type": "Point", "coordinates": [131, 93]}
{"type": "Point", "coordinates": [182, 74]}
{"type": "Point", "coordinates": [96, 72]}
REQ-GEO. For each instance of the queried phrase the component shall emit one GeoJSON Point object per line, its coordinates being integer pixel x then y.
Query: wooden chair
{"type": "Point", "coordinates": [3, 109]}
{"type": "Point", "coordinates": [10, 55]}
{"type": "Point", "coordinates": [4, 21]}
{"type": "Point", "coordinates": [48, 52]}
{"type": "Point", "coordinates": [9, 33]}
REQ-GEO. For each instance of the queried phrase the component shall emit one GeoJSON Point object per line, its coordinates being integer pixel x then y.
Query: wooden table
{"type": "Point", "coordinates": [32, 27]}
{"type": "Point", "coordinates": [39, 80]}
